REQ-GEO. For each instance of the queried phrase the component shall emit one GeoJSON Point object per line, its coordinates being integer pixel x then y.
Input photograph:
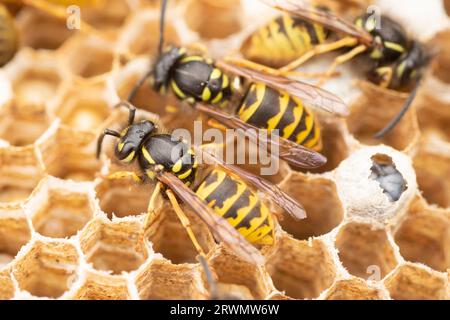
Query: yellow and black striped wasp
{"type": "Point", "coordinates": [221, 197]}
{"type": "Point", "coordinates": [304, 32]}
{"type": "Point", "coordinates": [9, 35]}
{"type": "Point", "coordinates": [265, 101]}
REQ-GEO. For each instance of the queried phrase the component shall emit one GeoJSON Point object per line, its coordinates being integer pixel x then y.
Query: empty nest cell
{"type": "Point", "coordinates": [70, 154]}
{"type": "Point", "coordinates": [161, 280]}
{"type": "Point", "coordinates": [14, 232]}
{"type": "Point", "coordinates": [365, 251]}
{"type": "Point", "coordinates": [87, 56]}
{"type": "Point", "coordinates": [353, 289]}
{"type": "Point", "coordinates": [47, 269]}
{"type": "Point", "coordinates": [83, 107]}
{"type": "Point", "coordinates": [413, 282]}
{"type": "Point", "coordinates": [22, 126]}
{"type": "Point", "coordinates": [374, 110]}
{"type": "Point", "coordinates": [114, 246]}
{"type": "Point", "coordinates": [424, 236]}
{"type": "Point", "coordinates": [19, 173]}
{"type": "Point", "coordinates": [431, 165]}
{"type": "Point", "coordinates": [98, 286]}
{"type": "Point", "coordinates": [123, 197]}
{"type": "Point", "coordinates": [170, 238]}
{"type": "Point", "coordinates": [241, 275]}
{"type": "Point", "coordinates": [301, 269]}
{"type": "Point", "coordinates": [60, 212]}
{"type": "Point", "coordinates": [319, 197]}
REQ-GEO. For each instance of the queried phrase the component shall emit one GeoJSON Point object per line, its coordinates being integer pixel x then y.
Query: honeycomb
{"type": "Point", "coordinates": [67, 232]}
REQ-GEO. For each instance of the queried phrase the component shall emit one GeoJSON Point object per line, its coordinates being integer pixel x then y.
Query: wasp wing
{"type": "Point", "coordinates": [222, 230]}
{"type": "Point", "coordinates": [309, 94]}
{"type": "Point", "coordinates": [294, 153]}
{"type": "Point", "coordinates": [282, 199]}
{"type": "Point", "coordinates": [304, 10]}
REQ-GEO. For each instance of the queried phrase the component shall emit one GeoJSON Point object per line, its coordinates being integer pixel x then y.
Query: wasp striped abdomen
{"type": "Point", "coordinates": [282, 40]}
{"type": "Point", "coordinates": [196, 77]}
{"type": "Point", "coordinates": [232, 199]}
{"type": "Point", "coordinates": [270, 109]}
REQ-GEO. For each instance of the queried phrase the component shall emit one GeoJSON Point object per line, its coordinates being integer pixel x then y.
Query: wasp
{"type": "Point", "coordinates": [266, 101]}
{"type": "Point", "coordinates": [222, 197]}
{"type": "Point", "coordinates": [304, 31]}
{"type": "Point", "coordinates": [9, 35]}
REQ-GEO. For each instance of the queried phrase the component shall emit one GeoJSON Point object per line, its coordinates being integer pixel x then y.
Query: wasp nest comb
{"type": "Point", "coordinates": [378, 213]}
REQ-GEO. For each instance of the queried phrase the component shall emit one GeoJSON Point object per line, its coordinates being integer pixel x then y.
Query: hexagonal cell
{"type": "Point", "coordinates": [47, 269]}
{"type": "Point", "coordinates": [14, 232]}
{"type": "Point", "coordinates": [110, 19]}
{"type": "Point", "coordinates": [140, 36]}
{"type": "Point", "coordinates": [6, 286]}
{"type": "Point", "coordinates": [19, 173]}
{"type": "Point", "coordinates": [424, 236]}
{"type": "Point", "coordinates": [234, 271]}
{"type": "Point", "coordinates": [114, 246]}
{"type": "Point", "coordinates": [70, 154]}
{"type": "Point", "coordinates": [319, 197]}
{"type": "Point", "coordinates": [40, 30]}
{"type": "Point", "coordinates": [102, 287]}
{"type": "Point", "coordinates": [83, 106]}
{"type": "Point", "coordinates": [365, 251]}
{"type": "Point", "coordinates": [21, 127]}
{"type": "Point", "coordinates": [213, 19]}
{"type": "Point", "coordinates": [353, 289]}
{"type": "Point", "coordinates": [162, 280]}
{"type": "Point", "coordinates": [123, 197]}
{"type": "Point", "coordinates": [432, 165]}
{"type": "Point", "coordinates": [300, 268]}
{"type": "Point", "coordinates": [413, 282]}
{"type": "Point", "coordinates": [60, 208]}
{"type": "Point", "coordinates": [374, 109]}
{"type": "Point", "coordinates": [35, 78]}
{"type": "Point", "coordinates": [170, 238]}
{"type": "Point", "coordinates": [441, 62]}
{"type": "Point", "coordinates": [87, 56]}
{"type": "Point", "coordinates": [335, 147]}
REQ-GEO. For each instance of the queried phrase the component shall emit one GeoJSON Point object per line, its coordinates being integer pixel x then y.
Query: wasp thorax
{"type": "Point", "coordinates": [131, 139]}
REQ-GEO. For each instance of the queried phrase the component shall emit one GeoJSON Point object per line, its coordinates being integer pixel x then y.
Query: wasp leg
{"type": "Point", "coordinates": [268, 70]}
{"type": "Point", "coordinates": [319, 49]}
{"type": "Point", "coordinates": [151, 205]}
{"type": "Point", "coordinates": [340, 60]}
{"type": "Point", "coordinates": [138, 85]}
{"type": "Point", "coordinates": [187, 225]}
{"type": "Point", "coordinates": [60, 12]}
{"type": "Point", "coordinates": [125, 174]}
{"type": "Point", "coordinates": [131, 110]}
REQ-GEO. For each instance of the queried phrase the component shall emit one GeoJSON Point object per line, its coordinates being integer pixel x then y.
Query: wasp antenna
{"type": "Point", "coordinates": [107, 132]}
{"type": "Point", "coordinates": [131, 109]}
{"type": "Point", "coordinates": [162, 25]}
{"type": "Point", "coordinates": [391, 125]}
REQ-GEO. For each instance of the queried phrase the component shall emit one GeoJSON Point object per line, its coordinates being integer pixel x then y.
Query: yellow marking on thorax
{"type": "Point", "coordinates": [129, 157]}
{"type": "Point", "coordinates": [147, 156]}
{"type": "Point", "coordinates": [394, 46]}
{"type": "Point", "coordinates": [120, 146]}
{"type": "Point", "coordinates": [247, 112]}
{"type": "Point", "coordinates": [217, 98]}
{"type": "Point", "coordinates": [215, 74]}
{"type": "Point", "coordinates": [206, 94]}
{"type": "Point", "coordinates": [177, 166]}
{"type": "Point", "coordinates": [185, 174]}
{"type": "Point", "coordinates": [284, 101]}
{"type": "Point", "coordinates": [177, 90]}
